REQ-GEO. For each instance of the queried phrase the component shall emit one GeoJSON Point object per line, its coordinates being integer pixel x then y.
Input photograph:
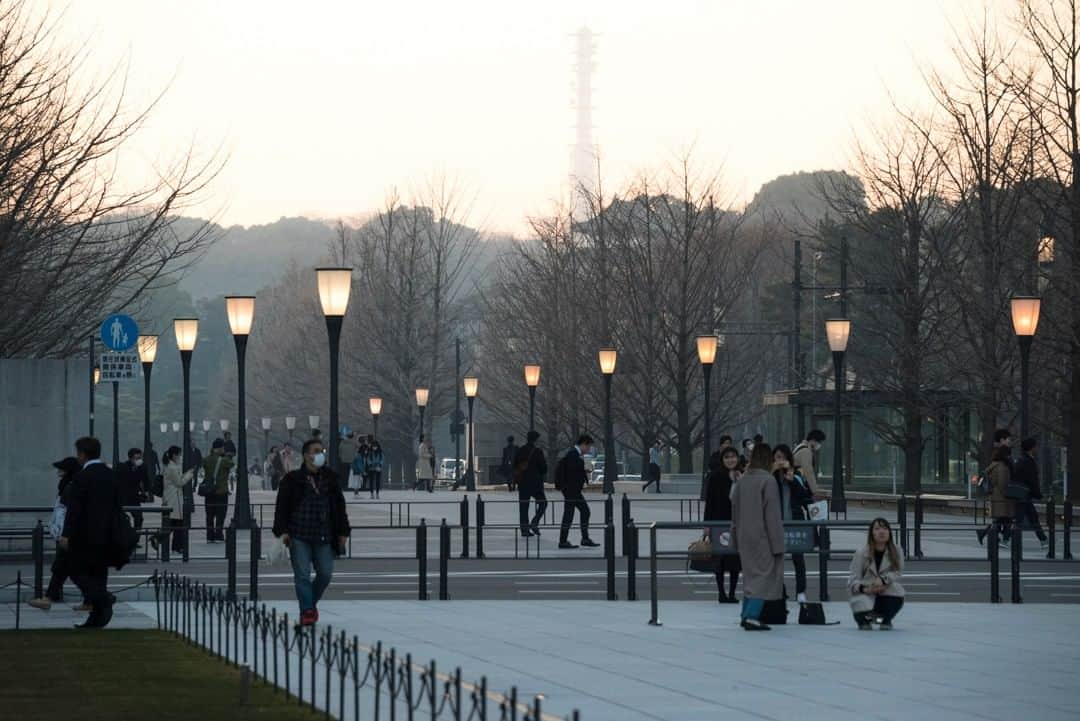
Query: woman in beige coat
{"type": "Point", "coordinates": [874, 578]}
{"type": "Point", "coordinates": [758, 533]}
{"type": "Point", "coordinates": [173, 482]}
{"type": "Point", "coordinates": [1001, 508]}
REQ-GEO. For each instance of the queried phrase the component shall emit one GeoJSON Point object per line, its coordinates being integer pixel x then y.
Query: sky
{"type": "Point", "coordinates": [321, 107]}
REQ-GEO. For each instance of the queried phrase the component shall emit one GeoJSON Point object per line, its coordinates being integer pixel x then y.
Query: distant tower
{"type": "Point", "coordinates": [583, 157]}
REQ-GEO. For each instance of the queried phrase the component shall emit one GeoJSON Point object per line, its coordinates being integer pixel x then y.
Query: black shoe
{"type": "Point", "coordinates": [526, 533]}
{"type": "Point", "coordinates": [535, 528]}
{"type": "Point", "coordinates": [566, 544]}
{"type": "Point", "coordinates": [752, 624]}
{"type": "Point", "coordinates": [723, 598]}
{"type": "Point", "coordinates": [106, 615]}
{"type": "Point", "coordinates": [589, 543]}
{"type": "Point", "coordinates": [981, 533]}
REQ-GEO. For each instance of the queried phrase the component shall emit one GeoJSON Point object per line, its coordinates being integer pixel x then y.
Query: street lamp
{"type": "Point", "coordinates": [706, 350]}
{"type": "Point", "coordinates": [837, 330]}
{"type": "Point", "coordinates": [422, 395]}
{"type": "Point", "coordinates": [334, 287]}
{"type": "Point", "coordinates": [313, 422]}
{"type": "Point", "coordinates": [532, 380]}
{"type": "Point", "coordinates": [608, 356]}
{"type": "Point", "coordinates": [1025, 318]}
{"type": "Point", "coordinates": [164, 432]}
{"type": "Point", "coordinates": [147, 345]}
{"type": "Point", "coordinates": [241, 312]}
{"type": "Point", "coordinates": [206, 432]}
{"type": "Point", "coordinates": [375, 406]}
{"type": "Point", "coordinates": [290, 425]}
{"type": "Point", "coordinates": [472, 386]}
{"type": "Point", "coordinates": [97, 374]}
{"type": "Point", "coordinates": [266, 421]}
{"type": "Point", "coordinates": [176, 428]}
{"type": "Point", "coordinates": [187, 332]}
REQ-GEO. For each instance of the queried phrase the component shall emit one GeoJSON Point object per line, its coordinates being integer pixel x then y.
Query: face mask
{"type": "Point", "coordinates": [319, 460]}
{"type": "Point", "coordinates": [138, 462]}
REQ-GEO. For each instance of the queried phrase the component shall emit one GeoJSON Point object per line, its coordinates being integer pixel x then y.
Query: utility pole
{"type": "Point", "coordinates": [795, 342]}
{"type": "Point", "coordinates": [457, 410]}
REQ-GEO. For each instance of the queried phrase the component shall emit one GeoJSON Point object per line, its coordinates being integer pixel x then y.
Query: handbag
{"type": "Point", "coordinates": [209, 482]}
{"type": "Point", "coordinates": [700, 556]}
{"type": "Point", "coordinates": [813, 614]}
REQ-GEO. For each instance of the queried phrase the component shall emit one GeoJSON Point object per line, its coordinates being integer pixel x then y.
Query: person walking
{"type": "Point", "coordinates": [1026, 472]}
{"type": "Point", "coordinates": [758, 535]}
{"type": "Point", "coordinates": [129, 476]}
{"type": "Point", "coordinates": [310, 519]}
{"type": "Point", "coordinates": [795, 499]}
{"type": "Point", "coordinates": [803, 459]}
{"type": "Point", "coordinates": [874, 579]}
{"type": "Point", "coordinates": [92, 506]}
{"type": "Point", "coordinates": [152, 480]}
{"type": "Point", "coordinates": [346, 453]}
{"type": "Point", "coordinates": [374, 466]}
{"type": "Point", "coordinates": [509, 452]}
{"type": "Point", "coordinates": [61, 565]}
{"type": "Point", "coordinates": [571, 480]}
{"type": "Point", "coordinates": [216, 468]}
{"type": "Point", "coordinates": [653, 467]}
{"type": "Point", "coordinates": [363, 452]}
{"type": "Point", "coordinates": [723, 473]}
{"type": "Point", "coordinates": [174, 480]}
{"type": "Point", "coordinates": [1002, 509]}
{"type": "Point", "coordinates": [425, 466]}
{"type": "Point", "coordinates": [530, 469]}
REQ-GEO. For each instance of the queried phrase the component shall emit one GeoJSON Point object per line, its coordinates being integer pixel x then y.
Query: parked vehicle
{"type": "Point", "coordinates": [446, 469]}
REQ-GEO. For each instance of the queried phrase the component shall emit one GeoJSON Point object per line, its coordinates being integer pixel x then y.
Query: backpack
{"type": "Point", "coordinates": [985, 485]}
{"type": "Point", "coordinates": [560, 474]}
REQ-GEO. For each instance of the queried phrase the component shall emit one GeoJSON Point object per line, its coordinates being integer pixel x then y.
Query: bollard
{"type": "Point", "coordinates": [38, 543]}
{"type": "Point", "coordinates": [901, 521]}
{"type": "Point", "coordinates": [464, 526]}
{"type": "Point", "coordinates": [918, 525]}
{"type": "Point", "coordinates": [1014, 562]}
{"type": "Point", "coordinates": [256, 556]}
{"type": "Point", "coordinates": [609, 510]}
{"type": "Point", "coordinates": [1051, 521]}
{"type": "Point", "coordinates": [609, 556]}
{"type": "Point", "coordinates": [625, 524]}
{"type": "Point", "coordinates": [479, 527]}
{"type": "Point", "coordinates": [230, 555]}
{"type": "Point", "coordinates": [992, 552]}
{"type": "Point", "coordinates": [654, 602]}
{"type": "Point", "coordinates": [1066, 548]}
{"type": "Point", "coordinates": [444, 559]}
{"type": "Point", "coordinates": [824, 545]}
{"type": "Point", "coordinates": [421, 555]}
{"type": "Point", "coordinates": [630, 535]}
{"type": "Point", "coordinates": [163, 537]}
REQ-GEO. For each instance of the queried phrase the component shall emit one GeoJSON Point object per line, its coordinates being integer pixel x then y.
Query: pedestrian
{"type": "Point", "coordinates": [758, 535]}
{"type": "Point", "coordinates": [805, 454]}
{"type": "Point", "coordinates": [346, 452]}
{"type": "Point", "coordinates": [230, 447]}
{"type": "Point", "coordinates": [310, 519]}
{"type": "Point", "coordinates": [358, 480]}
{"type": "Point", "coordinates": [316, 435]}
{"type": "Point", "coordinates": [216, 468]}
{"type": "Point", "coordinates": [374, 466]}
{"type": "Point", "coordinates": [507, 466]}
{"type": "Point", "coordinates": [747, 450]}
{"type": "Point", "coordinates": [571, 480]}
{"type": "Point", "coordinates": [654, 467]}
{"type": "Point", "coordinates": [1002, 510]}
{"type": "Point", "coordinates": [130, 476]}
{"type": "Point", "coordinates": [363, 453]}
{"type": "Point", "coordinates": [795, 501]}
{"type": "Point", "coordinates": [277, 467]}
{"type": "Point", "coordinates": [425, 466]}
{"type": "Point", "coordinates": [530, 469]}
{"type": "Point", "coordinates": [92, 506]}
{"type": "Point", "coordinates": [1026, 472]}
{"type": "Point", "coordinates": [725, 442]}
{"type": "Point", "coordinates": [174, 480]}
{"type": "Point", "coordinates": [723, 474]}
{"type": "Point", "coordinates": [152, 482]}
{"type": "Point", "coordinates": [874, 579]}
{"type": "Point", "coordinates": [61, 565]}
{"type": "Point", "coordinates": [196, 463]}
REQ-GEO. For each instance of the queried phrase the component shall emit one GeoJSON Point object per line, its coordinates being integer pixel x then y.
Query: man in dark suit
{"type": "Point", "coordinates": [129, 477]}
{"type": "Point", "coordinates": [573, 480]}
{"type": "Point", "coordinates": [530, 468]}
{"type": "Point", "coordinates": [87, 534]}
{"type": "Point", "coordinates": [508, 455]}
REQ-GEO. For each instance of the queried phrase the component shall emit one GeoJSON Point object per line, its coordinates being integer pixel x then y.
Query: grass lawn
{"type": "Point", "coordinates": [126, 674]}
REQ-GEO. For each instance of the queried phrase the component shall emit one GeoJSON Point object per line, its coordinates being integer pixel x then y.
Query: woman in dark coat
{"type": "Point", "coordinates": [67, 469]}
{"type": "Point", "coordinates": [723, 474]}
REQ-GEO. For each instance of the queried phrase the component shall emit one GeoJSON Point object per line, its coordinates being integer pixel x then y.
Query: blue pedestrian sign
{"type": "Point", "coordinates": [119, 332]}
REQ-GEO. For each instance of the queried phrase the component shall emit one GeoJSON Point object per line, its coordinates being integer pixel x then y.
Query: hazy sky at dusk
{"type": "Point", "coordinates": [322, 106]}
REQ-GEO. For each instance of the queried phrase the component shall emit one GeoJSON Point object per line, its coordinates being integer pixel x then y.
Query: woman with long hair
{"type": "Point", "coordinates": [794, 498]}
{"type": "Point", "coordinates": [874, 578]}
{"type": "Point", "coordinates": [174, 479]}
{"type": "Point", "coordinates": [758, 534]}
{"type": "Point", "coordinates": [723, 474]}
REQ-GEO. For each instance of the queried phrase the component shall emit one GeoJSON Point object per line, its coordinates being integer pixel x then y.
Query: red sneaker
{"type": "Point", "coordinates": [316, 612]}
{"type": "Point", "coordinates": [308, 618]}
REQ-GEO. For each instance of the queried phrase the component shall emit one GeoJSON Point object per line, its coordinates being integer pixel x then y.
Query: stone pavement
{"type": "Point", "coordinates": [944, 662]}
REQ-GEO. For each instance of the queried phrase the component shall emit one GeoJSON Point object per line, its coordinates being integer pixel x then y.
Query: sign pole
{"type": "Point", "coordinates": [115, 425]}
{"type": "Point", "coordinates": [91, 433]}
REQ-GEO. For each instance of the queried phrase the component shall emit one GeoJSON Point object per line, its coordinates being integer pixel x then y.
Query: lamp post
{"type": "Point", "coordinates": [116, 424]}
{"type": "Point", "coordinates": [334, 287]}
{"type": "Point", "coordinates": [1025, 318]}
{"type": "Point", "coordinates": [164, 433]}
{"type": "Point", "coordinates": [837, 330]}
{"type": "Point", "coordinates": [290, 425]}
{"type": "Point", "coordinates": [608, 356]}
{"type": "Point", "coordinates": [266, 421]}
{"type": "Point", "coordinates": [206, 432]}
{"type": "Point", "coordinates": [706, 350]}
{"type": "Point", "coordinates": [375, 406]}
{"type": "Point", "coordinates": [97, 375]}
{"type": "Point", "coordinates": [313, 422]}
{"type": "Point", "coordinates": [532, 380]}
{"type": "Point", "coordinates": [241, 312]}
{"type": "Point", "coordinates": [472, 386]}
{"type": "Point", "coordinates": [422, 395]}
{"type": "Point", "coordinates": [187, 332]}
{"type": "Point", "coordinates": [176, 430]}
{"type": "Point", "coordinates": [147, 345]}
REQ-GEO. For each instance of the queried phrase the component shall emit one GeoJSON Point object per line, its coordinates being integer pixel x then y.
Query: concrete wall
{"type": "Point", "coordinates": [45, 408]}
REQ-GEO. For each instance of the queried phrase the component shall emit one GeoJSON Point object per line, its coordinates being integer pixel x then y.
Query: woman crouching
{"type": "Point", "coordinates": [874, 579]}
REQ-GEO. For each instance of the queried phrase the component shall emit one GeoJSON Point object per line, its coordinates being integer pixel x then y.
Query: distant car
{"type": "Point", "coordinates": [446, 469]}
{"type": "Point", "coordinates": [597, 475]}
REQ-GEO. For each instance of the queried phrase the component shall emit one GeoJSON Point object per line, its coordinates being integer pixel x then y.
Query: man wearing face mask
{"type": "Point", "coordinates": [310, 519]}
{"type": "Point", "coordinates": [130, 476]}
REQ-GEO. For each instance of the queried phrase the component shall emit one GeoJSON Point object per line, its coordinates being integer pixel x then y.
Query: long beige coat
{"type": "Point", "coordinates": [1000, 506]}
{"type": "Point", "coordinates": [863, 571]}
{"type": "Point", "coordinates": [759, 534]}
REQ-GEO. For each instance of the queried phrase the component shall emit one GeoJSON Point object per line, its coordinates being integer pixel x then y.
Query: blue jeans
{"type": "Point", "coordinates": [752, 607]}
{"type": "Point", "coordinates": [303, 555]}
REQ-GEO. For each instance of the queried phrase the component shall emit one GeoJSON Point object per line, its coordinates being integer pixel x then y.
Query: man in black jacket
{"type": "Point", "coordinates": [1026, 471]}
{"type": "Point", "coordinates": [130, 476]}
{"type": "Point", "coordinates": [87, 535]}
{"type": "Point", "coordinates": [310, 518]}
{"type": "Point", "coordinates": [573, 480]}
{"type": "Point", "coordinates": [530, 469]}
{"type": "Point", "coordinates": [508, 455]}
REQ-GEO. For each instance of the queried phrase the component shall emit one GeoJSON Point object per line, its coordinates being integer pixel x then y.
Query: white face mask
{"type": "Point", "coordinates": [319, 460]}
{"type": "Point", "coordinates": [138, 462]}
